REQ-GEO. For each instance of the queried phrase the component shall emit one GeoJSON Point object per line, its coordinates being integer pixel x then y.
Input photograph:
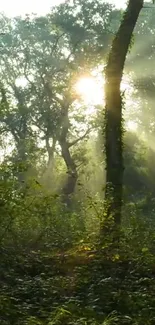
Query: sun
{"type": "Point", "coordinates": [91, 90]}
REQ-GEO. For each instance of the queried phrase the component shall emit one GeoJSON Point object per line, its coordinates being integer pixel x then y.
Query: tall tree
{"type": "Point", "coordinates": [113, 107]}
{"type": "Point", "coordinates": [41, 59]}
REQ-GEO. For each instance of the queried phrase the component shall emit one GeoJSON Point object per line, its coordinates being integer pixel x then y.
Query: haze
{"type": "Point", "coordinates": [17, 7]}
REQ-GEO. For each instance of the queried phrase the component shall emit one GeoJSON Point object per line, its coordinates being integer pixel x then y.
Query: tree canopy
{"type": "Point", "coordinates": [77, 160]}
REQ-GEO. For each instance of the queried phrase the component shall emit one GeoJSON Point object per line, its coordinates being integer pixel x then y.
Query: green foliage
{"type": "Point", "coordinates": [52, 269]}
{"type": "Point", "coordinates": [79, 287]}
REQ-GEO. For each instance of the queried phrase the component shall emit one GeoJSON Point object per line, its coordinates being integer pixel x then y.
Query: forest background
{"type": "Point", "coordinates": [57, 265]}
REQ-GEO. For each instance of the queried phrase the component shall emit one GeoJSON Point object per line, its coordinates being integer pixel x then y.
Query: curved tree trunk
{"type": "Point", "coordinates": [69, 187]}
{"type": "Point", "coordinates": [72, 175]}
{"type": "Point", "coordinates": [113, 110]}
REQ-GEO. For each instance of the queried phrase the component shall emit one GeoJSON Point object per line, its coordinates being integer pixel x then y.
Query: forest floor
{"type": "Point", "coordinates": [75, 287]}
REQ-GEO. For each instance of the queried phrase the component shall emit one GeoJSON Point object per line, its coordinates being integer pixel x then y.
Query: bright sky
{"type": "Point", "coordinates": [19, 7]}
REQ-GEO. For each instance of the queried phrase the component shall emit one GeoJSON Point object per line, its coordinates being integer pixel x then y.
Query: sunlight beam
{"type": "Point", "coordinates": [90, 90]}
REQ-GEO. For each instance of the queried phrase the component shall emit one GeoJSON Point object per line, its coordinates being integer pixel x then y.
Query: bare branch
{"type": "Point", "coordinates": [56, 42]}
{"type": "Point", "coordinates": [79, 139]}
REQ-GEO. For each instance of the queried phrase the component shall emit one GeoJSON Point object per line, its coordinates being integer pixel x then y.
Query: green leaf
{"type": "Point", "coordinates": [145, 250]}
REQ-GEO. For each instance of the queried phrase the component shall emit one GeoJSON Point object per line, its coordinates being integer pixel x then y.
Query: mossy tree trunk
{"type": "Point", "coordinates": [113, 107]}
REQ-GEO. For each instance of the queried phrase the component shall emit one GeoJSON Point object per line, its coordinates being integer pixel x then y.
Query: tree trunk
{"type": "Point", "coordinates": [50, 151]}
{"type": "Point", "coordinates": [113, 111]}
{"type": "Point", "coordinates": [72, 176]}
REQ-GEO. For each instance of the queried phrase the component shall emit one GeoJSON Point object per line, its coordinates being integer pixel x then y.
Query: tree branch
{"type": "Point", "coordinates": [79, 139]}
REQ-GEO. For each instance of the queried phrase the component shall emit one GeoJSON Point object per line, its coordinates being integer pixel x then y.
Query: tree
{"type": "Point", "coordinates": [113, 107]}
{"type": "Point", "coordinates": [49, 54]}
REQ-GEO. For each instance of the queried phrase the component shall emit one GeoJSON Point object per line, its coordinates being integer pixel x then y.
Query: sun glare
{"type": "Point", "coordinates": [90, 90]}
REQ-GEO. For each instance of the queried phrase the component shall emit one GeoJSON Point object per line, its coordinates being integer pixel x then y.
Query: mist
{"type": "Point", "coordinates": [57, 265]}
